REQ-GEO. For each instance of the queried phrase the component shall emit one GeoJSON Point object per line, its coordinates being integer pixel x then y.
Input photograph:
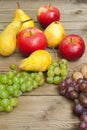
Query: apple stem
{"type": "Point", "coordinates": [18, 5]}
{"type": "Point", "coordinates": [71, 40]}
{"type": "Point", "coordinates": [30, 33]}
{"type": "Point", "coordinates": [55, 54]}
{"type": "Point", "coordinates": [49, 6]}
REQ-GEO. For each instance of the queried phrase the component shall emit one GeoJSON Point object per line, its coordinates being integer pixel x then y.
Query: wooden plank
{"type": "Point", "coordinates": [40, 113]}
{"type": "Point", "coordinates": [70, 10]}
{"type": "Point", "coordinates": [81, 26]}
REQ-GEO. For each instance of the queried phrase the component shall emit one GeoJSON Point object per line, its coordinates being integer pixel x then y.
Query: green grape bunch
{"type": "Point", "coordinates": [57, 71]}
{"type": "Point", "coordinates": [13, 84]}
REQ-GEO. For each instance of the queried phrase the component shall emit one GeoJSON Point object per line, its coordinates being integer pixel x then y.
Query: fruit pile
{"type": "Point", "coordinates": [75, 88]}
{"type": "Point", "coordinates": [32, 43]}
{"type": "Point", "coordinates": [13, 84]}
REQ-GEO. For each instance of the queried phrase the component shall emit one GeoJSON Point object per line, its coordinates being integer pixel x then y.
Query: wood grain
{"type": "Point", "coordinates": [44, 108]}
{"type": "Point", "coordinates": [40, 113]}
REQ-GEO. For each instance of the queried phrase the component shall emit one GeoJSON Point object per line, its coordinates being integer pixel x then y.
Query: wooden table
{"type": "Point", "coordinates": [43, 108]}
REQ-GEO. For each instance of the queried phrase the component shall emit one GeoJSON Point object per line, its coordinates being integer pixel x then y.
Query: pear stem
{"type": "Point", "coordinates": [18, 70]}
{"type": "Point", "coordinates": [55, 54]}
{"type": "Point", "coordinates": [18, 5]}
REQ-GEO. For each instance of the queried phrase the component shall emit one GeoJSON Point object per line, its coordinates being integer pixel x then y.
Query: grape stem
{"type": "Point", "coordinates": [55, 54]}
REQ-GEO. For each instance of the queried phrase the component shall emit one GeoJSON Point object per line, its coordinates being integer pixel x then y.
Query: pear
{"type": "Point", "coordinates": [22, 16]}
{"type": "Point", "coordinates": [8, 38]}
{"type": "Point", "coordinates": [54, 33]}
{"type": "Point", "coordinates": [39, 60]}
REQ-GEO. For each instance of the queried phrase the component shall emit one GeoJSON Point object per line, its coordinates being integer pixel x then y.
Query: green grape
{"type": "Point", "coordinates": [14, 72]}
{"type": "Point", "coordinates": [57, 71]}
{"type": "Point", "coordinates": [63, 62]}
{"type": "Point", "coordinates": [50, 80]}
{"type": "Point", "coordinates": [0, 100]}
{"type": "Point", "coordinates": [2, 87]}
{"type": "Point", "coordinates": [38, 78]}
{"type": "Point", "coordinates": [57, 80]}
{"type": "Point", "coordinates": [4, 94]}
{"type": "Point", "coordinates": [10, 74]}
{"type": "Point", "coordinates": [50, 73]}
{"type": "Point", "coordinates": [29, 85]}
{"type": "Point", "coordinates": [41, 82]}
{"type": "Point", "coordinates": [21, 80]}
{"type": "Point", "coordinates": [23, 87]}
{"type": "Point", "coordinates": [17, 93]}
{"type": "Point", "coordinates": [35, 84]}
{"type": "Point", "coordinates": [15, 79]}
{"type": "Point", "coordinates": [16, 86]}
{"type": "Point", "coordinates": [23, 74]}
{"type": "Point", "coordinates": [64, 72]}
{"type": "Point", "coordinates": [9, 82]}
{"type": "Point", "coordinates": [54, 63]}
{"type": "Point", "coordinates": [9, 108]}
{"type": "Point", "coordinates": [33, 75]}
{"type": "Point", "coordinates": [13, 67]}
{"type": "Point", "coordinates": [1, 108]}
{"type": "Point", "coordinates": [51, 67]}
{"type": "Point", "coordinates": [13, 101]}
{"type": "Point", "coordinates": [29, 88]}
{"type": "Point", "coordinates": [10, 90]}
{"type": "Point", "coordinates": [5, 102]}
{"type": "Point", "coordinates": [40, 74]}
{"type": "Point", "coordinates": [63, 78]}
{"type": "Point", "coordinates": [3, 78]}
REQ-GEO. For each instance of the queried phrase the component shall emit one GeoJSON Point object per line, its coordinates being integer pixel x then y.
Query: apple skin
{"type": "Point", "coordinates": [48, 14]}
{"type": "Point", "coordinates": [31, 39]}
{"type": "Point", "coordinates": [72, 47]}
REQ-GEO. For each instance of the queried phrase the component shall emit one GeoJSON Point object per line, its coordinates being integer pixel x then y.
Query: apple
{"type": "Point", "coordinates": [31, 39]}
{"type": "Point", "coordinates": [48, 14]}
{"type": "Point", "coordinates": [72, 47]}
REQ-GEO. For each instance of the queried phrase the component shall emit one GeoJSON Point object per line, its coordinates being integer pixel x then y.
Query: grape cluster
{"type": "Point", "coordinates": [77, 92]}
{"type": "Point", "coordinates": [13, 84]}
{"type": "Point", "coordinates": [57, 71]}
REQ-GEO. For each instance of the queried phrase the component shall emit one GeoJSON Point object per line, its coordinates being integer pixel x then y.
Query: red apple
{"type": "Point", "coordinates": [48, 14]}
{"type": "Point", "coordinates": [72, 47]}
{"type": "Point", "coordinates": [31, 39]}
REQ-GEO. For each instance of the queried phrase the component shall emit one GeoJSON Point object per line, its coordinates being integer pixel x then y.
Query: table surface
{"type": "Point", "coordinates": [43, 108]}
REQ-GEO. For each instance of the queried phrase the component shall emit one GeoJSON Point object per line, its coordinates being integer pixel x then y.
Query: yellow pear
{"type": "Point", "coordinates": [8, 38]}
{"type": "Point", "coordinates": [54, 33]}
{"type": "Point", "coordinates": [39, 60]}
{"type": "Point", "coordinates": [22, 16]}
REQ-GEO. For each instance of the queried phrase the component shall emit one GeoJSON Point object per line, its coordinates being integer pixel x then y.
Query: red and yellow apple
{"type": "Point", "coordinates": [31, 39]}
{"type": "Point", "coordinates": [72, 47]}
{"type": "Point", "coordinates": [48, 14]}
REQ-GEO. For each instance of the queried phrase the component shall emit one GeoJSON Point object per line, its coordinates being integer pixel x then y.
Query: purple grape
{"type": "Point", "coordinates": [83, 99]}
{"type": "Point", "coordinates": [63, 92]}
{"type": "Point", "coordinates": [76, 88]}
{"type": "Point", "coordinates": [76, 101]}
{"type": "Point", "coordinates": [68, 80]}
{"type": "Point", "coordinates": [62, 86]}
{"type": "Point", "coordinates": [70, 88]}
{"type": "Point", "coordinates": [80, 81]}
{"type": "Point", "coordinates": [83, 117]}
{"type": "Point", "coordinates": [78, 109]}
{"type": "Point", "coordinates": [83, 125]}
{"type": "Point", "coordinates": [83, 86]}
{"type": "Point", "coordinates": [73, 95]}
